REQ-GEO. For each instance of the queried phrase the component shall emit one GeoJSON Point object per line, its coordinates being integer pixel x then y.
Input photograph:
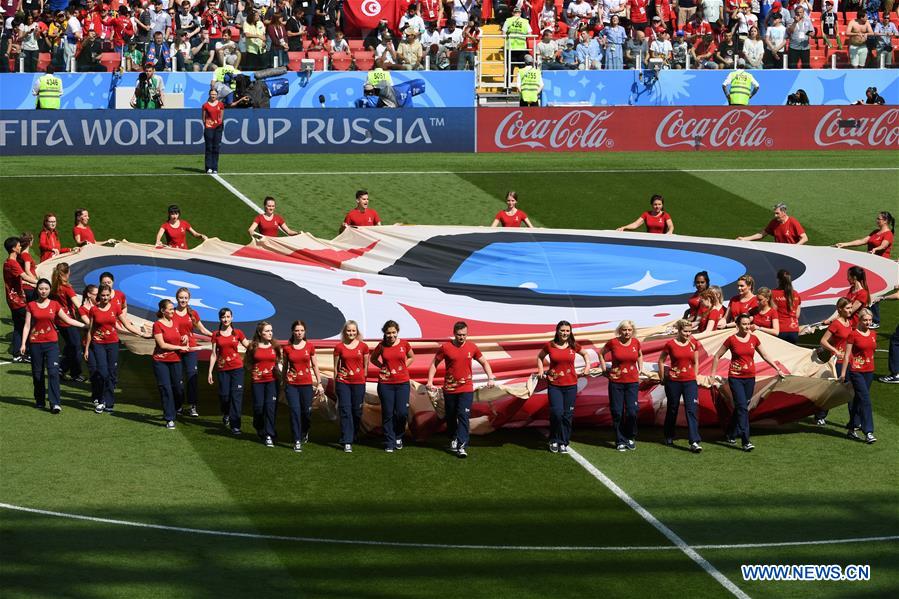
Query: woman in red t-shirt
{"type": "Point", "coordinates": [213, 127]}
{"type": "Point", "coordinates": [393, 357]}
{"type": "Point", "coordinates": [26, 262]}
{"type": "Point", "coordinates": [188, 320]}
{"type": "Point", "coordinates": [167, 359]}
{"type": "Point", "coordinates": [561, 378]}
{"type": "Point", "coordinates": [264, 357]}
{"type": "Point", "coordinates": [788, 305]}
{"type": "Point", "coordinates": [656, 219]}
{"type": "Point", "coordinates": [711, 316]}
{"type": "Point", "coordinates": [88, 301]}
{"type": "Point", "coordinates": [833, 343]}
{"type": "Point", "coordinates": [626, 358]}
{"type": "Point", "coordinates": [879, 241]}
{"type": "Point", "coordinates": [49, 239]}
{"type": "Point", "coordinates": [858, 369]}
{"type": "Point", "coordinates": [680, 382]}
{"type": "Point", "coordinates": [102, 342]}
{"type": "Point", "coordinates": [175, 230]}
{"type": "Point", "coordinates": [511, 217]}
{"type": "Point", "coordinates": [81, 232]}
{"type": "Point", "coordinates": [62, 292]}
{"type": "Point", "coordinates": [40, 336]}
{"type": "Point", "coordinates": [351, 366]}
{"type": "Point", "coordinates": [745, 302]}
{"type": "Point", "coordinates": [764, 318]}
{"type": "Point", "coordinates": [303, 382]}
{"type": "Point", "coordinates": [701, 283]}
{"type": "Point", "coordinates": [269, 223]}
{"type": "Point", "coordinates": [742, 345]}
{"type": "Point", "coordinates": [226, 342]}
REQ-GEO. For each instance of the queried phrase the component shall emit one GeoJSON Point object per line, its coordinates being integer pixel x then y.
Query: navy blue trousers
{"type": "Point", "coordinates": [231, 394]}
{"type": "Point", "coordinates": [623, 405]}
{"type": "Point", "coordinates": [394, 411]}
{"type": "Point", "coordinates": [791, 337]}
{"type": "Point", "coordinates": [94, 375]}
{"type": "Point", "coordinates": [265, 408]}
{"type": "Point", "coordinates": [106, 356]}
{"type": "Point", "coordinates": [561, 412]}
{"type": "Point", "coordinates": [299, 400]}
{"type": "Point", "coordinates": [741, 390]}
{"type": "Point", "coordinates": [458, 410]}
{"type": "Point", "coordinates": [862, 413]}
{"type": "Point", "coordinates": [168, 379]}
{"type": "Point", "coordinates": [674, 391]}
{"type": "Point", "coordinates": [189, 370]}
{"type": "Point", "coordinates": [894, 352]}
{"type": "Point", "coordinates": [18, 327]}
{"type": "Point", "coordinates": [349, 406]}
{"type": "Point", "coordinates": [39, 353]}
{"type": "Point", "coordinates": [70, 362]}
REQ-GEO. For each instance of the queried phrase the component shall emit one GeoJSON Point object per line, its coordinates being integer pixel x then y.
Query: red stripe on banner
{"type": "Point", "coordinates": [639, 128]}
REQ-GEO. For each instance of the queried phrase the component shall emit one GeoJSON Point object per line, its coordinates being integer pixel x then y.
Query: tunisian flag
{"type": "Point", "coordinates": [362, 15]}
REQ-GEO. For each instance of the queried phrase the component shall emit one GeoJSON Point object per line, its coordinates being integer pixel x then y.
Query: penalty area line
{"type": "Point", "coordinates": [678, 542]}
{"type": "Point", "coordinates": [240, 196]}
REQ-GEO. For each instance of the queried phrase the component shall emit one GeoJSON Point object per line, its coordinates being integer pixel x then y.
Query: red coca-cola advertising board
{"type": "Point", "coordinates": [637, 128]}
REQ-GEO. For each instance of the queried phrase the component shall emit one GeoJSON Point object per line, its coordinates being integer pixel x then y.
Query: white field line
{"type": "Point", "coordinates": [678, 542]}
{"type": "Point", "coordinates": [468, 172]}
{"type": "Point", "coordinates": [254, 206]}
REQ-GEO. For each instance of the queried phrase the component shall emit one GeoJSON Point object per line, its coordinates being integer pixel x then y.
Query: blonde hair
{"type": "Point", "coordinates": [682, 324]}
{"type": "Point", "coordinates": [625, 323]}
{"type": "Point", "coordinates": [346, 325]}
{"type": "Point", "coordinates": [864, 312]}
{"type": "Point", "coordinates": [750, 282]}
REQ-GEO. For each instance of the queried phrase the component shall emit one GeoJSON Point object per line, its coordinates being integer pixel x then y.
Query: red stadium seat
{"type": "Point", "coordinates": [295, 60]}
{"type": "Point", "coordinates": [356, 45]}
{"type": "Point", "coordinates": [110, 60]}
{"type": "Point", "coordinates": [365, 61]}
{"type": "Point", "coordinates": [43, 60]}
{"type": "Point", "coordinates": [319, 57]}
{"type": "Point", "coordinates": [341, 62]}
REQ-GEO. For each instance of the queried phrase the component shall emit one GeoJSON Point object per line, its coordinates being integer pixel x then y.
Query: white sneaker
{"type": "Point", "coordinates": [100, 408]}
{"type": "Point", "coordinates": [454, 445]}
{"type": "Point", "coordinates": [56, 409]}
{"type": "Point", "coordinates": [298, 446]}
{"type": "Point", "coordinates": [169, 424]}
{"type": "Point", "coordinates": [621, 447]}
{"type": "Point", "coordinates": [870, 438]}
{"type": "Point", "coordinates": [554, 447]}
{"type": "Point", "coordinates": [388, 449]}
{"type": "Point", "coordinates": [208, 171]}
{"type": "Point", "coordinates": [695, 447]}
{"type": "Point", "coordinates": [193, 412]}
{"type": "Point", "coordinates": [399, 444]}
{"type": "Point", "coordinates": [235, 431]}
{"type": "Point", "coordinates": [563, 449]}
{"type": "Point", "coordinates": [347, 448]}
{"type": "Point", "coordinates": [461, 452]}
{"type": "Point", "coordinates": [269, 442]}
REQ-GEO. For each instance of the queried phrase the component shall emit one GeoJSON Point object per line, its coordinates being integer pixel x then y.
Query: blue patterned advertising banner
{"type": "Point", "coordinates": [703, 88]}
{"type": "Point", "coordinates": [82, 91]}
{"type": "Point", "coordinates": [324, 130]}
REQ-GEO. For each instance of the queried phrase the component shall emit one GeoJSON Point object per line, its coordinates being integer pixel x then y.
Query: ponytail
{"type": "Point", "coordinates": [60, 276]}
{"type": "Point", "coordinates": [163, 306]}
{"type": "Point", "coordinates": [785, 284]}
{"type": "Point", "coordinates": [890, 220]}
{"type": "Point", "coordinates": [858, 273]}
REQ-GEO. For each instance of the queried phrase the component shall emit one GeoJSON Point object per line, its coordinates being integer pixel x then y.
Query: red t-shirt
{"type": "Point", "coordinates": [25, 260]}
{"type": "Point", "coordinates": [393, 357]}
{"type": "Point", "coordinates": [682, 359]}
{"type": "Point", "coordinates": [351, 363]}
{"type": "Point", "coordinates": [226, 349]}
{"type": "Point", "coordinates": [170, 335]}
{"type": "Point", "coordinates": [713, 315]}
{"type": "Point", "coordinates": [701, 28]}
{"type": "Point", "coordinates": [694, 305]}
{"type": "Point", "coordinates": [104, 329]}
{"type": "Point", "coordinates": [561, 371]}
{"type": "Point", "coordinates": [785, 232]}
{"type": "Point", "coordinates": [839, 335]}
{"type": "Point", "coordinates": [656, 223]}
{"type": "Point", "coordinates": [49, 241]}
{"type": "Point", "coordinates": [264, 359]}
{"type": "Point", "coordinates": [213, 115]}
{"type": "Point", "coordinates": [176, 237]}
{"type": "Point", "coordinates": [118, 298]}
{"type": "Point", "coordinates": [765, 320]}
{"type": "Point", "coordinates": [876, 238]}
{"type": "Point", "coordinates": [737, 306]}
{"type": "Point", "coordinates": [185, 324]}
{"type": "Point", "coordinates": [742, 356]}
{"type": "Point", "coordinates": [266, 227]}
{"type": "Point", "coordinates": [64, 296]}
{"type": "Point", "coordinates": [624, 360]}
{"type": "Point", "coordinates": [638, 11]}
{"type": "Point", "coordinates": [299, 364]}
{"type": "Point", "coordinates": [511, 220]}
{"type": "Point", "coordinates": [458, 365]}
{"type": "Point", "coordinates": [861, 296]}
{"type": "Point", "coordinates": [214, 22]}
{"type": "Point", "coordinates": [862, 359]}
{"type": "Point", "coordinates": [12, 281]}
{"type": "Point", "coordinates": [357, 218]}
{"type": "Point", "coordinates": [43, 322]}
{"type": "Point", "coordinates": [787, 318]}
{"type": "Point", "coordinates": [87, 235]}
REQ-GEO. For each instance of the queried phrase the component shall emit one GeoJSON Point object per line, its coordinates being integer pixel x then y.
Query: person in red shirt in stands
{"type": "Point", "coordinates": [697, 26]}
{"type": "Point", "coordinates": [667, 14]}
{"type": "Point", "coordinates": [858, 369]}
{"type": "Point", "coordinates": [49, 239]}
{"type": "Point", "coordinates": [213, 20]}
{"type": "Point", "coordinates": [783, 227]}
{"type": "Point", "coordinates": [361, 215]}
{"type": "Point", "coordinates": [175, 230]}
{"type": "Point", "coordinates": [639, 14]}
{"type": "Point", "coordinates": [269, 223]}
{"type": "Point", "coordinates": [458, 388]}
{"type": "Point", "coordinates": [13, 277]}
{"type": "Point", "coordinates": [511, 216]}
{"type": "Point", "coordinates": [561, 378]}
{"type": "Point", "coordinates": [655, 219]}
{"type": "Point", "coordinates": [213, 127]}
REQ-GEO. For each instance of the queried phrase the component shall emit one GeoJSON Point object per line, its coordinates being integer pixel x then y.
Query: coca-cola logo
{"type": "Point", "coordinates": [834, 129]}
{"type": "Point", "coordinates": [575, 130]}
{"type": "Point", "coordinates": [737, 128]}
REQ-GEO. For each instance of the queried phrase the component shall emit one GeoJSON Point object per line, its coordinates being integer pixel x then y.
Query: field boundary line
{"type": "Point", "coordinates": [468, 172]}
{"type": "Point", "coordinates": [669, 534]}
{"type": "Point", "coordinates": [409, 545]}
{"type": "Point", "coordinates": [240, 196]}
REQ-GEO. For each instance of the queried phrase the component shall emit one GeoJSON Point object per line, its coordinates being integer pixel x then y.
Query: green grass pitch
{"type": "Point", "coordinates": [803, 483]}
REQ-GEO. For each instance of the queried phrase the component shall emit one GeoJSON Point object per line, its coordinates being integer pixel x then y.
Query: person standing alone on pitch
{"type": "Point", "coordinates": [213, 127]}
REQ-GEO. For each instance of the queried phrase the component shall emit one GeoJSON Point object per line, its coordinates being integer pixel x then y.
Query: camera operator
{"type": "Point", "coordinates": [149, 94]}
{"type": "Point", "coordinates": [798, 98]}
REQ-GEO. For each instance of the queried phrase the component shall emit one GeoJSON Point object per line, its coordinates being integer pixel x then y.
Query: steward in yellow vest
{"type": "Point", "coordinates": [739, 86]}
{"type": "Point", "coordinates": [48, 90]}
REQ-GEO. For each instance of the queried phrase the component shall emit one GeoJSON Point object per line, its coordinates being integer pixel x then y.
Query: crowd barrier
{"type": "Point", "coordinates": [558, 129]}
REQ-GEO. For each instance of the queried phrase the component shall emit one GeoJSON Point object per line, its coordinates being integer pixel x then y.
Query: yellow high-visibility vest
{"type": "Point", "coordinates": [49, 91]}
{"type": "Point", "coordinates": [517, 30]}
{"type": "Point", "coordinates": [529, 80]}
{"type": "Point", "coordinates": [741, 88]}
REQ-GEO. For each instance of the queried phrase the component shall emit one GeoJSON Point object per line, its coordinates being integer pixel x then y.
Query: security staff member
{"type": "Point", "coordinates": [739, 87]}
{"type": "Point", "coordinates": [48, 89]}
{"type": "Point", "coordinates": [376, 76]}
{"type": "Point", "coordinates": [517, 28]}
{"type": "Point", "coordinates": [530, 83]}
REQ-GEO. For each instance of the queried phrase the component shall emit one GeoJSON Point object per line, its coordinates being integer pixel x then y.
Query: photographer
{"type": "Point", "coordinates": [468, 51]}
{"type": "Point", "coordinates": [88, 58]}
{"type": "Point", "coordinates": [149, 94]}
{"type": "Point", "coordinates": [798, 98]}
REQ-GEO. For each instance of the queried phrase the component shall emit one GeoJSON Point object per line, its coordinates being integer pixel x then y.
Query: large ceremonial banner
{"type": "Point", "coordinates": [511, 286]}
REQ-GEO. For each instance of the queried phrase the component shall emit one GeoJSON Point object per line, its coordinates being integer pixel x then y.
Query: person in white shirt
{"type": "Point", "coordinates": [752, 56]}
{"type": "Point", "coordinates": [661, 48]}
{"type": "Point", "coordinates": [461, 10]}
{"type": "Point", "coordinates": [430, 40]}
{"type": "Point", "coordinates": [72, 36]}
{"type": "Point", "coordinates": [613, 7]}
{"type": "Point", "coordinates": [385, 53]}
{"type": "Point", "coordinates": [775, 42]}
{"type": "Point", "coordinates": [412, 19]}
{"type": "Point", "coordinates": [712, 10]}
{"type": "Point", "coordinates": [578, 11]}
